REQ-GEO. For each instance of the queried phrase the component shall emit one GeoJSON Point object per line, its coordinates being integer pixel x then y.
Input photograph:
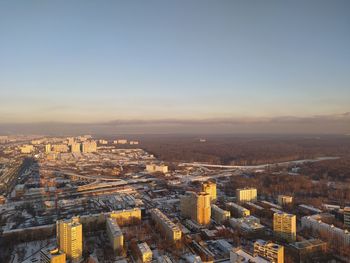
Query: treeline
{"type": "Point", "coordinates": [248, 150]}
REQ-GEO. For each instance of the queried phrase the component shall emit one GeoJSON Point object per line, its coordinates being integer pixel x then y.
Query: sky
{"type": "Point", "coordinates": [101, 61]}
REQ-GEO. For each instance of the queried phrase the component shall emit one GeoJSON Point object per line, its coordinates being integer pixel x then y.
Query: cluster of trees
{"type": "Point", "coordinates": [245, 150]}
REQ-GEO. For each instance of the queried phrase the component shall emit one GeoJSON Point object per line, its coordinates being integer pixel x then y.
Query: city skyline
{"type": "Point", "coordinates": [195, 61]}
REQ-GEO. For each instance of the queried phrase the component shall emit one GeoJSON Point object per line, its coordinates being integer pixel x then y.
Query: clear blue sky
{"type": "Point", "coordinates": [87, 61]}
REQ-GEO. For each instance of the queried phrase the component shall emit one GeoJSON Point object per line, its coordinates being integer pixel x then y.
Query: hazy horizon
{"type": "Point", "coordinates": [155, 66]}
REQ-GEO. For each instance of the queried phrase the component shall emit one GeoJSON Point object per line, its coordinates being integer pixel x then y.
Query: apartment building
{"type": "Point", "coordinates": [284, 200]}
{"type": "Point", "coordinates": [115, 234]}
{"type": "Point", "coordinates": [89, 147]}
{"type": "Point", "coordinates": [70, 238]}
{"type": "Point", "coordinates": [347, 217]}
{"type": "Point", "coordinates": [268, 250]}
{"type": "Point", "coordinates": [126, 217]}
{"type": "Point", "coordinates": [237, 210]}
{"type": "Point", "coordinates": [153, 168]}
{"type": "Point", "coordinates": [196, 206]}
{"type": "Point", "coordinates": [52, 255]}
{"type": "Point", "coordinates": [219, 215]}
{"type": "Point", "coordinates": [246, 194]}
{"type": "Point", "coordinates": [210, 188]}
{"type": "Point", "coordinates": [284, 225]}
{"type": "Point", "coordinates": [144, 252]}
{"type": "Point", "coordinates": [171, 231]}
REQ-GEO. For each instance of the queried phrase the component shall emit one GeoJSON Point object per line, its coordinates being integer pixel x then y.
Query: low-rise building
{"type": "Point", "coordinates": [271, 251]}
{"type": "Point", "coordinates": [219, 215]}
{"type": "Point", "coordinates": [172, 231]}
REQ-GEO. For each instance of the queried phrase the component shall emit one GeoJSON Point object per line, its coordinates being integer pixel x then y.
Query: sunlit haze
{"type": "Point", "coordinates": [91, 61]}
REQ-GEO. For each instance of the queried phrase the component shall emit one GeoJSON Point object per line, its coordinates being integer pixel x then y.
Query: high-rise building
{"type": "Point", "coordinates": [171, 231]}
{"type": "Point", "coordinates": [89, 146]}
{"type": "Point", "coordinates": [70, 140]}
{"type": "Point", "coordinates": [115, 234]}
{"type": "Point", "coordinates": [246, 194]}
{"type": "Point", "coordinates": [210, 188]}
{"type": "Point", "coordinates": [285, 199]}
{"type": "Point", "coordinates": [47, 148]}
{"type": "Point", "coordinates": [347, 217]}
{"type": "Point", "coordinates": [219, 215]}
{"type": "Point", "coordinates": [52, 255]}
{"type": "Point", "coordinates": [271, 251]}
{"type": "Point", "coordinates": [75, 147]}
{"type": "Point", "coordinates": [196, 206]}
{"type": "Point", "coordinates": [284, 225]}
{"type": "Point", "coordinates": [70, 238]}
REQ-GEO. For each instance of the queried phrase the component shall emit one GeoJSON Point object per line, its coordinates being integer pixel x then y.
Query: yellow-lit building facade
{"type": "Point", "coordinates": [70, 238]}
{"type": "Point", "coordinates": [47, 148]}
{"type": "Point", "coordinates": [27, 148]}
{"type": "Point", "coordinates": [171, 231]}
{"type": "Point", "coordinates": [48, 255]}
{"type": "Point", "coordinates": [271, 251]}
{"type": "Point", "coordinates": [126, 217]}
{"type": "Point", "coordinates": [210, 188]}
{"type": "Point", "coordinates": [115, 234]}
{"type": "Point", "coordinates": [246, 194]}
{"type": "Point", "coordinates": [196, 206]}
{"type": "Point", "coordinates": [89, 147]}
{"type": "Point", "coordinates": [284, 225]}
{"type": "Point", "coordinates": [144, 252]}
{"type": "Point", "coordinates": [75, 147]}
{"type": "Point", "coordinates": [284, 200]}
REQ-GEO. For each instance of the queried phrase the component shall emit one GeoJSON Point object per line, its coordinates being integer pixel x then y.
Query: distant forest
{"type": "Point", "coordinates": [244, 150]}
